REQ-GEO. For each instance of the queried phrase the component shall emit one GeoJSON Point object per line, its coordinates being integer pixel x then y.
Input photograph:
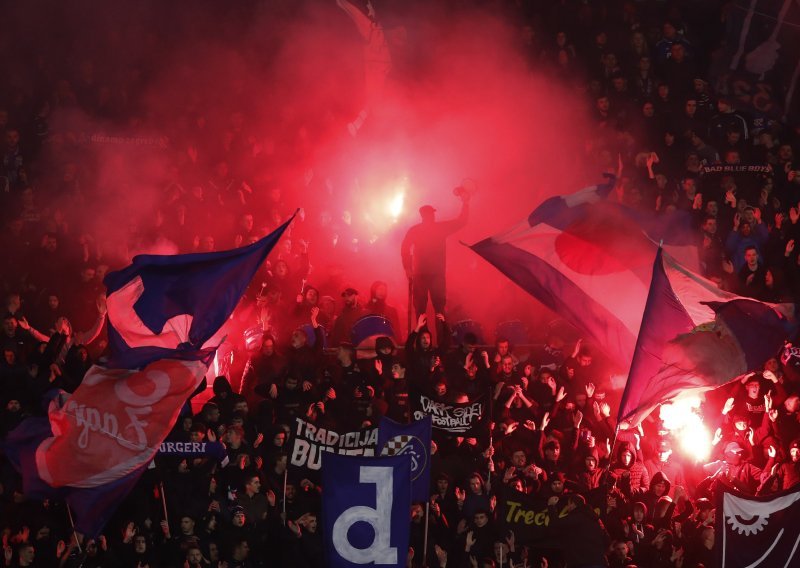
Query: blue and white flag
{"type": "Point", "coordinates": [414, 440]}
{"type": "Point", "coordinates": [162, 303]}
{"type": "Point", "coordinates": [366, 504]}
{"type": "Point", "coordinates": [590, 260]}
{"type": "Point", "coordinates": [695, 338]}
{"type": "Point", "coordinates": [163, 314]}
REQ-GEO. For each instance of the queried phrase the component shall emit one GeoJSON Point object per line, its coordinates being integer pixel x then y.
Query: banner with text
{"type": "Point", "coordinates": [311, 440]}
{"type": "Point", "coordinates": [464, 418]}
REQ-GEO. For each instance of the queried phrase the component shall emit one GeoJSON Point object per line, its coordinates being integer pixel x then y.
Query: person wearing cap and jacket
{"type": "Point", "coordinates": [733, 469]}
{"type": "Point", "coordinates": [423, 252]}
{"type": "Point", "coordinates": [351, 313]}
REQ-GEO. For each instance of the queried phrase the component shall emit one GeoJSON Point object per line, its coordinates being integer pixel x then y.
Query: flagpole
{"type": "Point", "coordinates": [613, 445]}
{"type": "Point", "coordinates": [425, 537]}
{"type": "Point", "coordinates": [74, 532]}
{"type": "Point", "coordinates": [490, 465]}
{"type": "Point", "coordinates": [163, 500]}
{"type": "Point", "coordinates": [410, 305]}
{"type": "Point", "coordinates": [285, 478]}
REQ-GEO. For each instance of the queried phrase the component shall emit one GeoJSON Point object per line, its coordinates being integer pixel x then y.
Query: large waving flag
{"type": "Point", "coordinates": [162, 303]}
{"type": "Point", "coordinates": [94, 444]}
{"type": "Point", "coordinates": [164, 312]}
{"type": "Point", "coordinates": [694, 338]}
{"type": "Point", "coordinates": [589, 260]}
{"type": "Point", "coordinates": [365, 508]}
{"type": "Point", "coordinates": [758, 532]}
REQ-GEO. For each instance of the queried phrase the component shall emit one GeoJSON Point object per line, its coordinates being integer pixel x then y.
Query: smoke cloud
{"type": "Point", "coordinates": [266, 90]}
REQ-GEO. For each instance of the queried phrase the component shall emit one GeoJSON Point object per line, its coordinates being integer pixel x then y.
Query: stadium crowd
{"type": "Point", "coordinates": [644, 70]}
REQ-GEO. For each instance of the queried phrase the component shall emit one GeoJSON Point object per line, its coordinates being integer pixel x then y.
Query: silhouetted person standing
{"type": "Point", "coordinates": [424, 254]}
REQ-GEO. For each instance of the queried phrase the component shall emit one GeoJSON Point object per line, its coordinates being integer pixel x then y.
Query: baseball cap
{"type": "Point", "coordinates": [734, 448]}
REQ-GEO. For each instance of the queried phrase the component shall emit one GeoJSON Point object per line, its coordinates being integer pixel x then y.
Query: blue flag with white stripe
{"type": "Point", "coordinates": [163, 303]}
{"type": "Point", "coordinates": [590, 260]}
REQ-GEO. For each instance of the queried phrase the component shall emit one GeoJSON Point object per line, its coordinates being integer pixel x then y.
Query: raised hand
{"type": "Point", "coordinates": [470, 541]}
{"type": "Point", "coordinates": [510, 540]}
{"type": "Point", "coordinates": [545, 420]}
{"type": "Point", "coordinates": [441, 555]}
{"type": "Point", "coordinates": [728, 406]}
{"type": "Point", "coordinates": [128, 533]}
{"type": "Point", "coordinates": [590, 388]}
{"type": "Point", "coordinates": [727, 266]}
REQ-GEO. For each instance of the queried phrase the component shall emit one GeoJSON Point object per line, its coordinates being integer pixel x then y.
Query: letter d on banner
{"type": "Point", "coordinates": [365, 506]}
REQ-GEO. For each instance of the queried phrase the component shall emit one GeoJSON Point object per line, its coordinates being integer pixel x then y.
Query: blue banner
{"type": "Point", "coordinates": [413, 440]}
{"type": "Point", "coordinates": [365, 509]}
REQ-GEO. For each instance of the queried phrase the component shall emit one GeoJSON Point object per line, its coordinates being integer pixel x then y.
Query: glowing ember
{"type": "Point", "coordinates": [687, 428]}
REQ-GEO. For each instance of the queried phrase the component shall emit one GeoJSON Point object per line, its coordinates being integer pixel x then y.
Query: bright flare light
{"type": "Point", "coordinates": [681, 418]}
{"type": "Point", "coordinates": [395, 206]}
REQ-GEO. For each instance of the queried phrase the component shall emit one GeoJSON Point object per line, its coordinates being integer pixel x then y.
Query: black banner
{"type": "Point", "coordinates": [737, 169]}
{"type": "Point", "coordinates": [527, 516]}
{"type": "Point", "coordinates": [310, 441]}
{"type": "Point", "coordinates": [464, 418]}
{"type": "Point", "coordinates": [757, 531]}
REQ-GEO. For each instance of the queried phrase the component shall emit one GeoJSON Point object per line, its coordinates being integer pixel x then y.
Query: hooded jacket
{"type": "Point", "coordinates": [632, 477]}
{"type": "Point", "coordinates": [649, 497]}
{"type": "Point", "coordinates": [588, 480]}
